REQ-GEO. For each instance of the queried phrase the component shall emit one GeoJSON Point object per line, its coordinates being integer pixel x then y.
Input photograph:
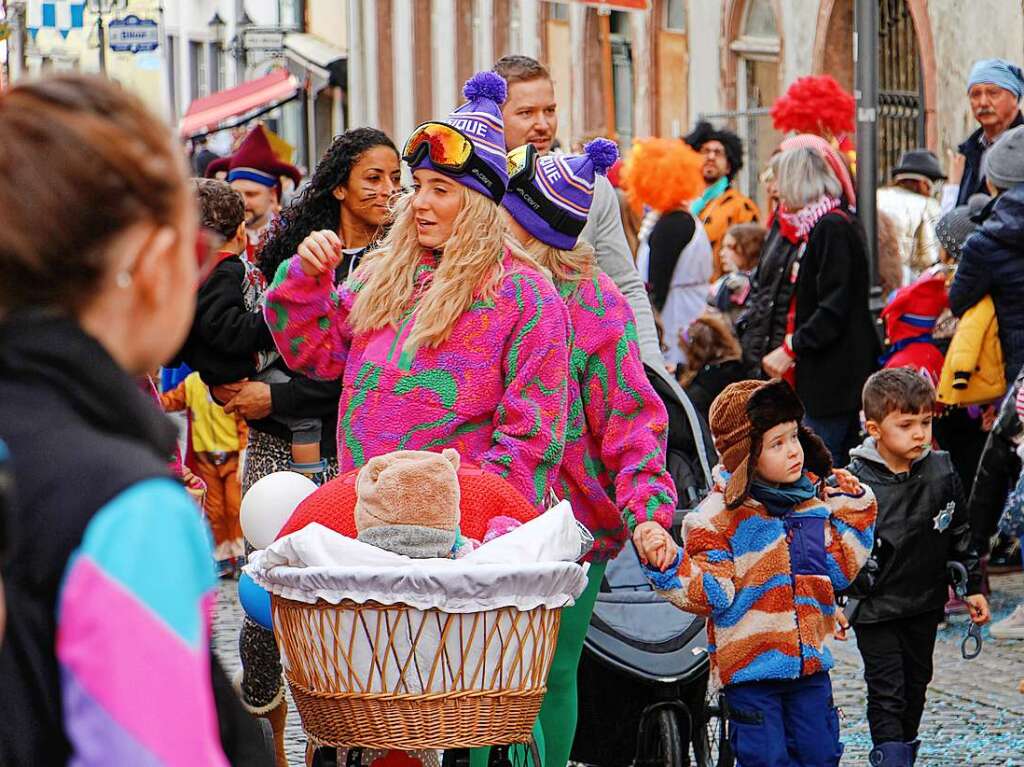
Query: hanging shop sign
{"type": "Point", "coordinates": [133, 35]}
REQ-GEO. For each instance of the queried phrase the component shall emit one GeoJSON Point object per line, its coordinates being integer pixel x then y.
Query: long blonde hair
{"type": "Point", "coordinates": [570, 265]}
{"type": "Point", "coordinates": [471, 269]}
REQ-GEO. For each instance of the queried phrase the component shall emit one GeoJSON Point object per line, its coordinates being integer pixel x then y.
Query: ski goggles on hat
{"type": "Point", "coordinates": [522, 170]}
{"type": "Point", "coordinates": [451, 152]}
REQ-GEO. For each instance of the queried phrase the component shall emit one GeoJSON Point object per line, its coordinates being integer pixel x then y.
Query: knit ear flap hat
{"type": "Point", "coordinates": [739, 418]}
{"type": "Point", "coordinates": [550, 195]}
{"type": "Point", "coordinates": [479, 120]}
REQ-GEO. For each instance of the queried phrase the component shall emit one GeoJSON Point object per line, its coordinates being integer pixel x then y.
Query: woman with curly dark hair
{"type": "Point", "coordinates": [349, 194]}
{"type": "Point", "coordinates": [348, 197]}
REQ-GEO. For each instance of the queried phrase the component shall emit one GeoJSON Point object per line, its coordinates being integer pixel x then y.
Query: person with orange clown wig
{"type": "Point", "coordinates": [674, 256]}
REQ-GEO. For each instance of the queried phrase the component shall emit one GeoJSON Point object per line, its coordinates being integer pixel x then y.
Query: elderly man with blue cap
{"type": "Point", "coordinates": [995, 87]}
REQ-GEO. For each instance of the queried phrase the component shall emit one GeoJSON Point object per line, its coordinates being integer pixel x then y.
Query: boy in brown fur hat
{"type": "Point", "coordinates": [763, 557]}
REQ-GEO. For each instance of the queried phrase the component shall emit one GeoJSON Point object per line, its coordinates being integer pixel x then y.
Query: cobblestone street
{"type": "Point", "coordinates": [974, 716]}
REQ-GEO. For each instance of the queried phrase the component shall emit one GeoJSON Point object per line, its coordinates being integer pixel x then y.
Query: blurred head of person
{"type": "Point", "coordinates": [222, 212]}
{"type": "Point", "coordinates": [803, 178]}
{"type": "Point", "coordinates": [530, 112]}
{"type": "Point", "coordinates": [663, 174]}
{"type": "Point", "coordinates": [741, 247]}
{"type": "Point", "coordinates": [100, 224]}
{"type": "Point", "coordinates": [351, 192]}
{"type": "Point", "coordinates": [261, 202]}
{"type": "Point", "coordinates": [708, 340]}
{"type": "Point", "coordinates": [720, 150]}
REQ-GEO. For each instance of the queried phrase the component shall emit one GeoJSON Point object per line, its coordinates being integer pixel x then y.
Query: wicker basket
{"type": "Point", "coordinates": [391, 676]}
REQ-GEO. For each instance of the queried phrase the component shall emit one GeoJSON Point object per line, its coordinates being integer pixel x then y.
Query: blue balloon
{"type": "Point", "coordinates": [255, 601]}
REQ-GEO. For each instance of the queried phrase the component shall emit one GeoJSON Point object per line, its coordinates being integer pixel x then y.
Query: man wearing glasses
{"type": "Point", "coordinates": [722, 205]}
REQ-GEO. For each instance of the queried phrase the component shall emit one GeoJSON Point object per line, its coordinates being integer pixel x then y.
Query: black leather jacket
{"type": "Point", "coordinates": [922, 524]}
{"type": "Point", "coordinates": [762, 326]}
{"type": "Point", "coordinates": [997, 472]}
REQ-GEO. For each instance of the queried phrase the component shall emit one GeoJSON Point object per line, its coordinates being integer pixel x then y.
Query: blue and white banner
{"type": "Point", "coordinates": [61, 15]}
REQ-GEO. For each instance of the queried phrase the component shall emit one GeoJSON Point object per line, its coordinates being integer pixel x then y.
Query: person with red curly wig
{"type": "Point", "coordinates": [674, 256]}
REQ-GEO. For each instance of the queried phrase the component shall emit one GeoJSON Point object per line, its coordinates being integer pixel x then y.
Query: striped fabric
{"type": "Point", "coordinates": [767, 584]}
{"type": "Point", "coordinates": [133, 630]}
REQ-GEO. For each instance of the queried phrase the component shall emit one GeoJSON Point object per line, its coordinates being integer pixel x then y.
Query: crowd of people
{"type": "Point", "coordinates": [497, 307]}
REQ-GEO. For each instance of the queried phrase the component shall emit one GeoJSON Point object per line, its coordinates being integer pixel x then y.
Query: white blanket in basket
{"type": "Point", "coordinates": [531, 566]}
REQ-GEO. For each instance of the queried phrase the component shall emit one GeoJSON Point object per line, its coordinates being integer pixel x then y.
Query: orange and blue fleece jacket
{"type": "Point", "coordinates": [613, 472]}
{"type": "Point", "coordinates": [496, 390]}
{"type": "Point", "coordinates": [767, 583]}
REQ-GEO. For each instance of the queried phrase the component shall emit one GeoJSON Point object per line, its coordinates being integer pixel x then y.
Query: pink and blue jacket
{"type": "Point", "coordinates": [613, 471]}
{"type": "Point", "coordinates": [496, 390]}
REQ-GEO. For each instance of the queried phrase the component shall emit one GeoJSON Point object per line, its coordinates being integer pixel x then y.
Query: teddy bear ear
{"type": "Point", "coordinates": [375, 466]}
{"type": "Point", "coordinates": [453, 457]}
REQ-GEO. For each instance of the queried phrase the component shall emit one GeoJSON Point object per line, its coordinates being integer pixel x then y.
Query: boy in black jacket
{"type": "Point", "coordinates": [229, 321]}
{"type": "Point", "coordinates": [922, 524]}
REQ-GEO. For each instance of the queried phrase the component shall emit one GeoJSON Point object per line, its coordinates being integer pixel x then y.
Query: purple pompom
{"type": "Point", "coordinates": [603, 153]}
{"type": "Point", "coordinates": [485, 85]}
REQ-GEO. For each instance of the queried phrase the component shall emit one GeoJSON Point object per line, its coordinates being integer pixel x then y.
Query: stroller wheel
{"type": "Point", "coordinates": [661, 743]}
{"type": "Point", "coordinates": [711, 737]}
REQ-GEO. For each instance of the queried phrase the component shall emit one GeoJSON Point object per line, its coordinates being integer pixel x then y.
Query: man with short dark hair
{"type": "Point", "coordinates": [722, 205]}
{"type": "Point", "coordinates": [995, 87]}
{"type": "Point", "coordinates": [530, 113]}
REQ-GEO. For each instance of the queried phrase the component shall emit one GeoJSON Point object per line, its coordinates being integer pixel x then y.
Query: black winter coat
{"type": "Point", "coordinates": [973, 181]}
{"type": "Point", "coordinates": [997, 473]}
{"type": "Point", "coordinates": [709, 382]}
{"type": "Point", "coordinates": [80, 431]}
{"type": "Point", "coordinates": [226, 334]}
{"type": "Point", "coordinates": [762, 326]}
{"type": "Point", "coordinates": [222, 346]}
{"type": "Point", "coordinates": [922, 524]}
{"type": "Point", "coordinates": [993, 264]}
{"type": "Point", "coordinates": [835, 341]}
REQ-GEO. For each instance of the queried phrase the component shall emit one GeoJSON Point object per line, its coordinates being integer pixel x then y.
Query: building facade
{"type": "Point", "coordinates": [627, 73]}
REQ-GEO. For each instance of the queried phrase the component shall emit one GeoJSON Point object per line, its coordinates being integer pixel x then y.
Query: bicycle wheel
{"type": "Point", "coordinates": [711, 736]}
{"type": "Point", "coordinates": [661, 743]}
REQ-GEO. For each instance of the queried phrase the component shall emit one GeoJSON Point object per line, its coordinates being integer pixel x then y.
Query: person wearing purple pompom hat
{"type": "Point", "coordinates": [614, 470]}
{"type": "Point", "coordinates": [447, 335]}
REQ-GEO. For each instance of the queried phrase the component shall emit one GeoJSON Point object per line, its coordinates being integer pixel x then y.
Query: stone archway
{"type": "Point", "coordinates": [833, 52]}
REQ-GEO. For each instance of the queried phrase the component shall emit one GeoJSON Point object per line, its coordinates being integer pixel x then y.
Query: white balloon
{"type": "Point", "coordinates": [269, 503]}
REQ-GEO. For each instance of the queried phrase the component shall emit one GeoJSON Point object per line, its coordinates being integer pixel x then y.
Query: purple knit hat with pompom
{"type": "Point", "coordinates": [567, 182]}
{"type": "Point", "coordinates": [480, 119]}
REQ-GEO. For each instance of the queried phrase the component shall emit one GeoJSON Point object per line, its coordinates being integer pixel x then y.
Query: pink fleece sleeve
{"type": "Point", "coordinates": [529, 421]}
{"type": "Point", "coordinates": [308, 317]}
{"type": "Point", "coordinates": [623, 411]}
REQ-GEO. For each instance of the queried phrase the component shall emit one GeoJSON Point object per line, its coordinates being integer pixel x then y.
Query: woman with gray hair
{"type": "Point", "coordinates": [830, 346]}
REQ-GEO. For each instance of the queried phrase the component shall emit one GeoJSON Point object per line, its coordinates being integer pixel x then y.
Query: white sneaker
{"type": "Point", "coordinates": [1010, 627]}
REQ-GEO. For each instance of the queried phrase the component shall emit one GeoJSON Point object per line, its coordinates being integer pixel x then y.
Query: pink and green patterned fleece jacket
{"type": "Point", "coordinates": [614, 471]}
{"type": "Point", "coordinates": [496, 390]}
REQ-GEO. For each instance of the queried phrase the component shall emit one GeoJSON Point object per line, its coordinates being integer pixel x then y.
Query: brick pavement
{"type": "Point", "coordinates": [974, 716]}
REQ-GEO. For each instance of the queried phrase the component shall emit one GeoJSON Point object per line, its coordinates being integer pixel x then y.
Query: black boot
{"type": "Point", "coordinates": [915, 746]}
{"type": "Point", "coordinates": [892, 754]}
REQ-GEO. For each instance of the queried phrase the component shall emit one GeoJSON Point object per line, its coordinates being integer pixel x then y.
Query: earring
{"type": "Point", "coordinates": [123, 280]}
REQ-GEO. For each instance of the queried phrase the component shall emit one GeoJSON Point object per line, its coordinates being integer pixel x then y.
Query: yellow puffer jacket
{"type": "Point", "coordinates": [973, 370]}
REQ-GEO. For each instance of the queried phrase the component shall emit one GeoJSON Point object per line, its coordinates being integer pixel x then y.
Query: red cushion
{"type": "Point", "coordinates": [484, 496]}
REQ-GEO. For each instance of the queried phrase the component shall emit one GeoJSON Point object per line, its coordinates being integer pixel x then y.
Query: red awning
{"type": "Point", "coordinates": [259, 94]}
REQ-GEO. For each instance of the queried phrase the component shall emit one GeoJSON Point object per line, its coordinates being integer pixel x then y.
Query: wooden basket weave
{"type": "Point", "coordinates": [392, 676]}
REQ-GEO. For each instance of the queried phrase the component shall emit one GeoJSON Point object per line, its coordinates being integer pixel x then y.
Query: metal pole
{"type": "Point", "coordinates": [102, 38]}
{"type": "Point", "coordinates": [866, 64]}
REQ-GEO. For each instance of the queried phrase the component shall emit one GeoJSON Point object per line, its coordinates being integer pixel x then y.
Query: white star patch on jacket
{"type": "Point", "coordinates": [944, 517]}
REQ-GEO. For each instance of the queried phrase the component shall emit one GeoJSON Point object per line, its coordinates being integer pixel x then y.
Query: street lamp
{"type": "Point", "coordinates": [238, 44]}
{"type": "Point", "coordinates": [100, 8]}
{"type": "Point", "coordinates": [216, 26]}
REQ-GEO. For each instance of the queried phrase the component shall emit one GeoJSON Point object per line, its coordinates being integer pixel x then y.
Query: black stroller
{"type": "Point", "coordinates": [643, 676]}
